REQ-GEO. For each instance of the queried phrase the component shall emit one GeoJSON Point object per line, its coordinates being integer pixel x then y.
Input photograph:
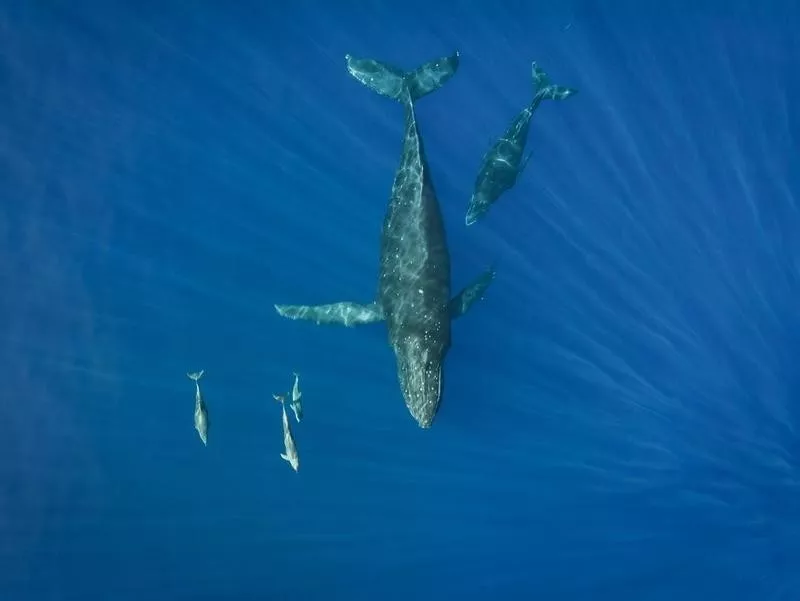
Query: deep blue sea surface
{"type": "Point", "coordinates": [621, 418]}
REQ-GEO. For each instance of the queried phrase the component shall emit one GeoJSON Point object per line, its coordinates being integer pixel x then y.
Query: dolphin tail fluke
{"type": "Point", "coordinates": [279, 397]}
{"type": "Point", "coordinates": [470, 295]}
{"type": "Point", "coordinates": [544, 90]}
{"type": "Point", "coordinates": [345, 314]}
{"type": "Point", "coordinates": [390, 81]}
{"type": "Point", "coordinates": [196, 375]}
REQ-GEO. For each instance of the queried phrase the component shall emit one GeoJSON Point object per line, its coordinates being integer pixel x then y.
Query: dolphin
{"type": "Point", "coordinates": [289, 455]}
{"type": "Point", "coordinates": [414, 274]}
{"type": "Point", "coordinates": [200, 409]}
{"type": "Point", "coordinates": [296, 404]}
{"type": "Point", "coordinates": [503, 163]}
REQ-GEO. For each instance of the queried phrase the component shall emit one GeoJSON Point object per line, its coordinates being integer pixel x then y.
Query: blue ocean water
{"type": "Point", "coordinates": [620, 418]}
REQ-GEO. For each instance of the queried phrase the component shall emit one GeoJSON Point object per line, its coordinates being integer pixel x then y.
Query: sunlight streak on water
{"type": "Point", "coordinates": [619, 414]}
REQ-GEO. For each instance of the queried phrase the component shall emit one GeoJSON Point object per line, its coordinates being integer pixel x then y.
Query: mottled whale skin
{"type": "Point", "coordinates": [392, 82]}
{"type": "Point", "coordinates": [503, 163]}
{"type": "Point", "coordinates": [414, 276]}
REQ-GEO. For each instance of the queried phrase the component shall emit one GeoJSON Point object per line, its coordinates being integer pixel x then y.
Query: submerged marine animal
{"type": "Point", "coordinates": [392, 82]}
{"type": "Point", "coordinates": [200, 409]}
{"type": "Point", "coordinates": [414, 276]}
{"type": "Point", "coordinates": [296, 404]}
{"type": "Point", "coordinates": [503, 163]}
{"type": "Point", "coordinates": [290, 448]}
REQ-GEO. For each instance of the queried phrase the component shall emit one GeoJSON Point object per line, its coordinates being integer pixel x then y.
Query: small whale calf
{"type": "Point", "coordinates": [200, 409]}
{"type": "Point", "coordinates": [503, 163]}
{"type": "Point", "coordinates": [290, 448]}
{"type": "Point", "coordinates": [414, 277]}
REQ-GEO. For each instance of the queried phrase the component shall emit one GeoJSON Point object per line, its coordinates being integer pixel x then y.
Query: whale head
{"type": "Point", "coordinates": [419, 369]}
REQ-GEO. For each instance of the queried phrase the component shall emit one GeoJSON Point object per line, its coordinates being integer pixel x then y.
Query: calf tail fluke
{"type": "Point", "coordinates": [544, 90]}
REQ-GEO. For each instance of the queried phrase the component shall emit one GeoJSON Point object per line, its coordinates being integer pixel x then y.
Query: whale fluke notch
{"type": "Point", "coordinates": [345, 313]}
{"type": "Point", "coordinates": [393, 82]}
{"type": "Point", "coordinates": [471, 294]}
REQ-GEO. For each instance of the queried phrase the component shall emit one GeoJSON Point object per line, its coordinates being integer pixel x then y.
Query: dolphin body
{"type": "Point", "coordinates": [503, 163]}
{"type": "Point", "coordinates": [414, 276]}
{"type": "Point", "coordinates": [200, 409]}
{"type": "Point", "coordinates": [296, 404]}
{"type": "Point", "coordinates": [290, 454]}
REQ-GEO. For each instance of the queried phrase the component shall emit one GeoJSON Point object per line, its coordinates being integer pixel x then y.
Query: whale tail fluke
{"type": "Point", "coordinates": [544, 90]}
{"type": "Point", "coordinates": [388, 80]}
{"type": "Point", "coordinates": [196, 375]}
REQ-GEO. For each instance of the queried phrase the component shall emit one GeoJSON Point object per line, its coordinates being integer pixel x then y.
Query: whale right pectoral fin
{"type": "Point", "coordinates": [344, 314]}
{"type": "Point", "coordinates": [525, 160]}
{"type": "Point", "coordinates": [284, 456]}
{"type": "Point", "coordinates": [465, 299]}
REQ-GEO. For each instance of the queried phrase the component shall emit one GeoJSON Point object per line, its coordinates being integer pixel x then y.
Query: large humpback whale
{"type": "Point", "coordinates": [414, 277]}
{"type": "Point", "coordinates": [503, 163]}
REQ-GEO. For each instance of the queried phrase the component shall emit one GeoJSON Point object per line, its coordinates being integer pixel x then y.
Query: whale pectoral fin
{"type": "Point", "coordinates": [345, 313]}
{"type": "Point", "coordinates": [464, 300]}
{"type": "Point", "coordinates": [524, 163]}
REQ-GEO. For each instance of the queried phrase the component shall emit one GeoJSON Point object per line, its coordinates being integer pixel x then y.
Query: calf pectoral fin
{"type": "Point", "coordinates": [464, 300]}
{"type": "Point", "coordinates": [345, 314]}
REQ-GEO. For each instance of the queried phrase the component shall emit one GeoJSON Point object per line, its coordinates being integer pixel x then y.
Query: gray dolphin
{"type": "Point", "coordinates": [290, 454]}
{"type": "Point", "coordinates": [200, 409]}
{"type": "Point", "coordinates": [414, 275]}
{"type": "Point", "coordinates": [297, 396]}
{"type": "Point", "coordinates": [503, 163]}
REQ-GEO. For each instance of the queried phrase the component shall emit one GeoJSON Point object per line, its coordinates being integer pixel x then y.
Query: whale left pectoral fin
{"type": "Point", "coordinates": [343, 314]}
{"type": "Point", "coordinates": [470, 295]}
